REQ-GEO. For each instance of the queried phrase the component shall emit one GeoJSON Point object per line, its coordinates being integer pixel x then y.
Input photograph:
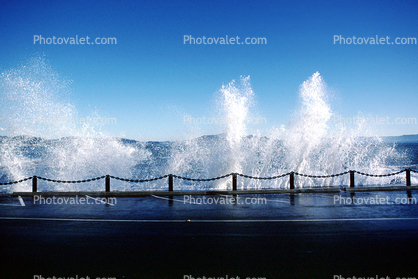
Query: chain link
{"type": "Point", "coordinates": [204, 179]}
{"type": "Point", "coordinates": [14, 182]}
{"type": "Point", "coordinates": [136, 180]}
{"type": "Point", "coordinates": [380, 175]}
{"type": "Point", "coordinates": [263, 178]}
{"type": "Point", "coordinates": [321, 176]}
{"type": "Point", "coordinates": [72, 181]}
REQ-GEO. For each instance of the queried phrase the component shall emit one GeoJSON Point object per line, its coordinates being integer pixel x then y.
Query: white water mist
{"type": "Point", "coordinates": [309, 144]}
{"type": "Point", "coordinates": [33, 94]}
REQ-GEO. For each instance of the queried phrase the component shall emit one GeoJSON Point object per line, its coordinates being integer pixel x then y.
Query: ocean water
{"type": "Point", "coordinates": [309, 144]}
{"type": "Point", "coordinates": [200, 157]}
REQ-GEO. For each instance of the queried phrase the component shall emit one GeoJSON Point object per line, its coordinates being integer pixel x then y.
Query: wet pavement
{"type": "Point", "coordinates": [316, 235]}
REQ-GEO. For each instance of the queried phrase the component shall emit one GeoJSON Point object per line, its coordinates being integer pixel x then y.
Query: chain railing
{"type": "Point", "coordinates": [234, 179]}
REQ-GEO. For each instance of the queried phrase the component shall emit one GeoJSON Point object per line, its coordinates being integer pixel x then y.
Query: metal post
{"type": "Point", "coordinates": [234, 182]}
{"type": "Point", "coordinates": [107, 183]}
{"type": "Point", "coordinates": [351, 179]}
{"type": "Point", "coordinates": [409, 195]}
{"type": "Point", "coordinates": [408, 177]}
{"type": "Point", "coordinates": [292, 199]}
{"type": "Point", "coordinates": [292, 180]}
{"type": "Point", "coordinates": [170, 182]}
{"type": "Point", "coordinates": [34, 184]}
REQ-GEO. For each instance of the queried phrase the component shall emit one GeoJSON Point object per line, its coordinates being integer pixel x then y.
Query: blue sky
{"type": "Point", "coordinates": [150, 79]}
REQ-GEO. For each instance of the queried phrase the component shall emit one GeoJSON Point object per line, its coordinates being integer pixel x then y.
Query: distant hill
{"type": "Point", "coordinates": [404, 138]}
{"type": "Point", "coordinates": [209, 138]}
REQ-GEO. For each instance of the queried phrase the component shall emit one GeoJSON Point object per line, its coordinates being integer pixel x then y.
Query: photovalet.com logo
{"type": "Point", "coordinates": [227, 40]}
{"type": "Point", "coordinates": [188, 119]}
{"type": "Point", "coordinates": [39, 39]}
{"type": "Point", "coordinates": [74, 120]}
{"type": "Point", "coordinates": [375, 120]}
{"type": "Point", "coordinates": [77, 200]}
{"type": "Point", "coordinates": [376, 40]}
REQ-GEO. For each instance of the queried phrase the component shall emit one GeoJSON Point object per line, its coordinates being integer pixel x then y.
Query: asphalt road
{"type": "Point", "coordinates": [281, 236]}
